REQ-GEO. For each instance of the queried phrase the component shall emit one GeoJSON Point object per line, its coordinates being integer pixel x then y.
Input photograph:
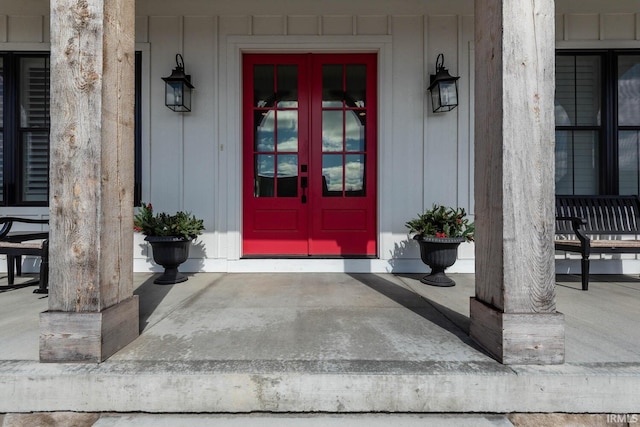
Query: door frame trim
{"type": "Point", "coordinates": [229, 208]}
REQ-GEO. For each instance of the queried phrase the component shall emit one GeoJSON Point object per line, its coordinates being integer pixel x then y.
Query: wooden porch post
{"type": "Point", "coordinates": [513, 315]}
{"type": "Point", "coordinates": [92, 311]}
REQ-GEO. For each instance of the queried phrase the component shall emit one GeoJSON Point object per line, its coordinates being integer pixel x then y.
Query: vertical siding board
{"type": "Point", "coordinates": [405, 171]}
{"type": "Point", "coordinates": [228, 214]}
{"type": "Point", "coordinates": [200, 142]}
{"type": "Point", "coordinates": [3, 28]}
{"type": "Point", "coordinates": [142, 29]}
{"type": "Point", "coordinates": [559, 27]}
{"type": "Point", "coordinates": [465, 107]}
{"type": "Point", "coordinates": [167, 139]}
{"type": "Point", "coordinates": [46, 29]}
{"type": "Point", "coordinates": [441, 139]}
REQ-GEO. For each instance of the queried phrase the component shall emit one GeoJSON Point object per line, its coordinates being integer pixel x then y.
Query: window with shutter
{"type": "Point", "coordinates": [24, 128]}
{"type": "Point", "coordinates": [597, 110]}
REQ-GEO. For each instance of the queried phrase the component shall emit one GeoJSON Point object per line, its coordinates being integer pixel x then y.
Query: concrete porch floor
{"type": "Point", "coordinates": [235, 343]}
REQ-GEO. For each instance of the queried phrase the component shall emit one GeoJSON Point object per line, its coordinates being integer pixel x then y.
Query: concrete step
{"type": "Point", "coordinates": [74, 419]}
{"type": "Point", "coordinates": [253, 420]}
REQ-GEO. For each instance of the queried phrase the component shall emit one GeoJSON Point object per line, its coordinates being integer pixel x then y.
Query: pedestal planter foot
{"type": "Point", "coordinates": [438, 279]}
{"type": "Point", "coordinates": [171, 276]}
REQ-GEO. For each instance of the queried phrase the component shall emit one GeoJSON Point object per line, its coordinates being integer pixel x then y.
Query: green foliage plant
{"type": "Point", "coordinates": [441, 222]}
{"type": "Point", "coordinates": [181, 224]}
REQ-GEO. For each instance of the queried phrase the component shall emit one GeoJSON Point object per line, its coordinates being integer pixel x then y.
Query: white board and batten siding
{"type": "Point", "coordinates": [192, 161]}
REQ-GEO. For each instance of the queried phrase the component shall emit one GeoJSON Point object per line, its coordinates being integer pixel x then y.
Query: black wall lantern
{"type": "Point", "coordinates": [443, 88]}
{"type": "Point", "coordinates": [177, 90]}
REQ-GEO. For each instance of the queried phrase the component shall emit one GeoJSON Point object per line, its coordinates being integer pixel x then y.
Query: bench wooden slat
{"type": "Point", "coordinates": [29, 245]}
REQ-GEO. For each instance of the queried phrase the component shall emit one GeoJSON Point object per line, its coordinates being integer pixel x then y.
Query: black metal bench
{"type": "Point", "coordinates": [595, 225]}
{"type": "Point", "coordinates": [16, 244]}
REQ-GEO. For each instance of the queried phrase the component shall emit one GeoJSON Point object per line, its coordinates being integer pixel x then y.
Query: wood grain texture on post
{"type": "Point", "coordinates": [91, 173]}
{"type": "Point", "coordinates": [514, 174]}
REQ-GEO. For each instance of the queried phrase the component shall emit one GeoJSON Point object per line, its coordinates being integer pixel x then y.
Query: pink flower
{"type": "Point", "coordinates": [440, 234]}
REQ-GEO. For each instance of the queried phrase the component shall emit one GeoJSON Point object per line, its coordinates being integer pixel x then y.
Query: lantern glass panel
{"type": "Point", "coordinates": [448, 93]}
{"type": "Point", "coordinates": [186, 98]}
{"type": "Point", "coordinates": [173, 94]}
{"type": "Point", "coordinates": [435, 98]}
{"type": "Point", "coordinates": [177, 96]}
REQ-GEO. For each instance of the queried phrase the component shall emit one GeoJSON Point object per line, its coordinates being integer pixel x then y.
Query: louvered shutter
{"type": "Point", "coordinates": [34, 128]}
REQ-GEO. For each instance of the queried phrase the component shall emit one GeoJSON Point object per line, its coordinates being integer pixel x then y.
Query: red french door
{"type": "Point", "coordinates": [309, 156]}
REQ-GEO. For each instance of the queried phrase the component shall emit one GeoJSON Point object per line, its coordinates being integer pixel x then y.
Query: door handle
{"type": "Point", "coordinates": [304, 183]}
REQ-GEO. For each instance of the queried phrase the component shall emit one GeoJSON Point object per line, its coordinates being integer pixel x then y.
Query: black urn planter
{"type": "Point", "coordinates": [438, 253]}
{"type": "Point", "coordinates": [169, 252]}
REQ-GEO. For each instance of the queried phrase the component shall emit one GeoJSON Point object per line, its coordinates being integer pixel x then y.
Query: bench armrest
{"type": "Point", "coordinates": [576, 224]}
{"type": "Point", "coordinates": [7, 223]}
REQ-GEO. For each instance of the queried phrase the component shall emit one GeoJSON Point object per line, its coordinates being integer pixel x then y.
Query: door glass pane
{"type": "Point", "coordinates": [356, 77]}
{"type": "Point", "coordinates": [332, 130]}
{"type": "Point", "coordinates": [354, 130]}
{"type": "Point", "coordinates": [35, 172]}
{"type": "Point", "coordinates": [264, 130]}
{"type": "Point", "coordinates": [354, 171]}
{"type": "Point", "coordinates": [264, 173]}
{"type": "Point", "coordinates": [34, 92]}
{"type": "Point", "coordinates": [629, 90]}
{"type": "Point", "coordinates": [577, 161]}
{"type": "Point", "coordinates": [332, 87]}
{"type": "Point", "coordinates": [332, 175]}
{"type": "Point", "coordinates": [287, 86]}
{"type": "Point", "coordinates": [629, 161]}
{"type": "Point", "coordinates": [288, 130]}
{"type": "Point", "coordinates": [264, 94]}
{"type": "Point", "coordinates": [287, 175]}
{"type": "Point", "coordinates": [578, 87]}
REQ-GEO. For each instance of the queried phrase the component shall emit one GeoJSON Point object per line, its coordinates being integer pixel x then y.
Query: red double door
{"type": "Point", "coordinates": [309, 156]}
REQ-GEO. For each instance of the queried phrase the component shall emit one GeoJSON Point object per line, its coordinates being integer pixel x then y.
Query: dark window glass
{"type": "Point", "coordinates": [629, 123]}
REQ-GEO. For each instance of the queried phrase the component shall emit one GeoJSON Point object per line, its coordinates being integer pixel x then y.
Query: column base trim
{"type": "Point", "coordinates": [88, 337]}
{"type": "Point", "coordinates": [518, 338]}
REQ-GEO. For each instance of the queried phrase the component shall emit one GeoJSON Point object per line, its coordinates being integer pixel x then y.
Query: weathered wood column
{"type": "Point", "coordinates": [513, 315]}
{"type": "Point", "coordinates": [92, 311]}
